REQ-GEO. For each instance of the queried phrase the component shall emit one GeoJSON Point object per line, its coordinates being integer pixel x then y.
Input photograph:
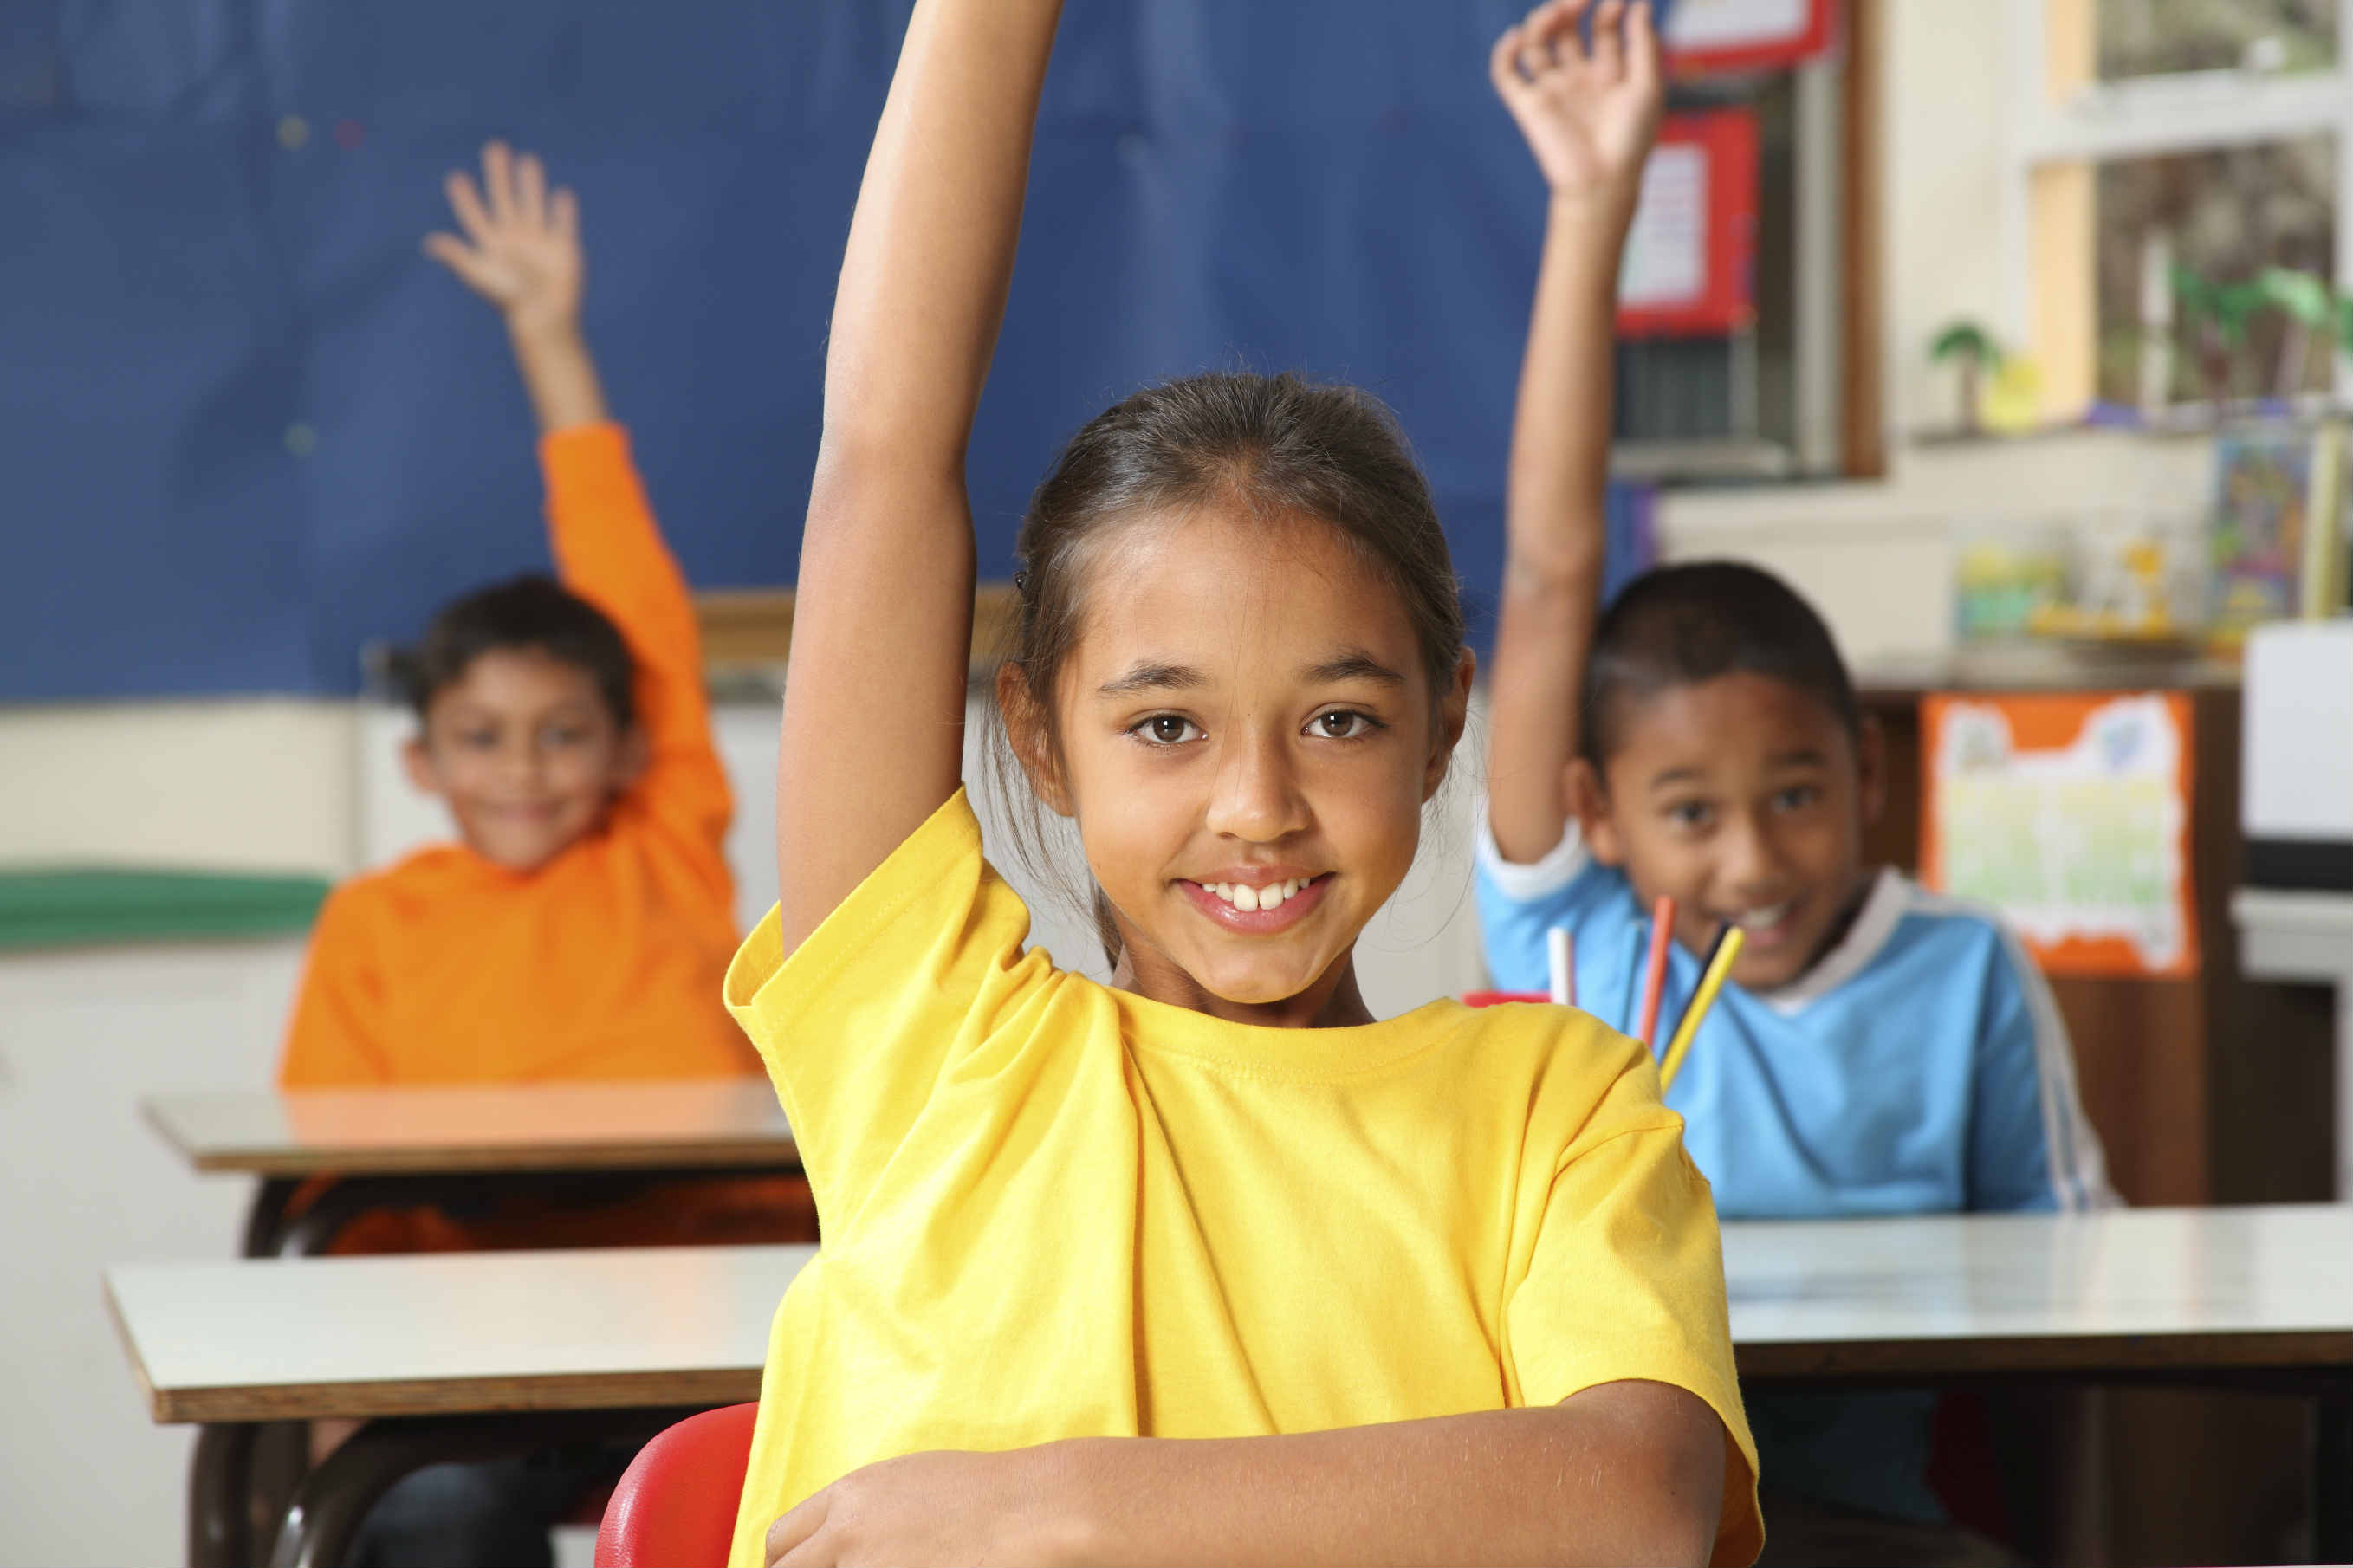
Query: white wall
{"type": "Point", "coordinates": [85, 1478]}
{"type": "Point", "coordinates": [260, 785]}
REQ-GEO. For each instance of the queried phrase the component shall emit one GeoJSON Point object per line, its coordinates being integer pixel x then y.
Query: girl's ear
{"type": "Point", "coordinates": [1453, 713]}
{"type": "Point", "coordinates": [416, 758]}
{"type": "Point", "coordinates": [1588, 802]}
{"type": "Point", "coordinates": [1871, 770]}
{"type": "Point", "coordinates": [1032, 739]}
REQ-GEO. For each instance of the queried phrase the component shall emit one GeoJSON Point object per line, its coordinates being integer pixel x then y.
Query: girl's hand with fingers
{"type": "Point", "coordinates": [521, 250]}
{"type": "Point", "coordinates": [1588, 111]}
{"type": "Point", "coordinates": [942, 1507]}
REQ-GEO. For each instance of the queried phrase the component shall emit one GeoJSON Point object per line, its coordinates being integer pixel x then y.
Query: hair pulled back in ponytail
{"type": "Point", "coordinates": [1275, 447]}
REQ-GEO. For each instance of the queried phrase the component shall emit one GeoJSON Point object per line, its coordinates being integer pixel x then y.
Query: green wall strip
{"type": "Point", "coordinates": [70, 907]}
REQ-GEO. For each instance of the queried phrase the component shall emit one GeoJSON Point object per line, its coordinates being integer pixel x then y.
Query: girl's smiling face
{"type": "Point", "coordinates": [1246, 736]}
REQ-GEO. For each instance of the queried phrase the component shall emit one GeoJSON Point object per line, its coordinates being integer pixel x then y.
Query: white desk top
{"type": "Point", "coordinates": [673, 1123]}
{"type": "Point", "coordinates": [546, 1330]}
{"type": "Point", "coordinates": [1946, 1294]}
{"type": "Point", "coordinates": [606, 1328]}
{"type": "Point", "coordinates": [2284, 934]}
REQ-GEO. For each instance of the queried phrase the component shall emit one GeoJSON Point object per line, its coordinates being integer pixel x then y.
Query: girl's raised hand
{"type": "Point", "coordinates": [1589, 113]}
{"type": "Point", "coordinates": [522, 245]}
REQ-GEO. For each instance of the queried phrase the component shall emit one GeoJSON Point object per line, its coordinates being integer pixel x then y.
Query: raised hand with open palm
{"type": "Point", "coordinates": [521, 251]}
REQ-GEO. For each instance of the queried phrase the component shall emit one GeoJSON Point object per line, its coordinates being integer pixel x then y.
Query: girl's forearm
{"type": "Point", "coordinates": [1621, 1474]}
{"type": "Point", "coordinates": [1553, 525]}
{"type": "Point", "coordinates": [930, 254]}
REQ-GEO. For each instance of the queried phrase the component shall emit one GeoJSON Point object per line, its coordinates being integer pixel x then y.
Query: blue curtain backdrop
{"type": "Point", "coordinates": [246, 427]}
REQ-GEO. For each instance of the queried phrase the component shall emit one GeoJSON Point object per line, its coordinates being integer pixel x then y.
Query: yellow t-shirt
{"type": "Point", "coordinates": [1053, 1209]}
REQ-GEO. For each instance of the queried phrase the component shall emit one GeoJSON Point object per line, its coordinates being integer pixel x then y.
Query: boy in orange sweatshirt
{"type": "Point", "coordinates": [580, 926]}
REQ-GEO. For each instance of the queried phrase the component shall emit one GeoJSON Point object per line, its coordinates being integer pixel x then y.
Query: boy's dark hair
{"type": "Point", "coordinates": [1279, 448]}
{"type": "Point", "coordinates": [527, 612]}
{"type": "Point", "coordinates": [1680, 626]}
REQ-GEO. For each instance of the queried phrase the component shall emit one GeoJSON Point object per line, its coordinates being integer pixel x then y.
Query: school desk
{"type": "Point", "coordinates": [412, 1146]}
{"type": "Point", "coordinates": [2307, 937]}
{"type": "Point", "coordinates": [484, 1354]}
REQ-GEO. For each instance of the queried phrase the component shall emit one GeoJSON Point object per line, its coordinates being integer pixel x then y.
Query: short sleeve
{"type": "Point", "coordinates": [1518, 904]}
{"type": "Point", "coordinates": [1625, 1281]}
{"type": "Point", "coordinates": [906, 975]}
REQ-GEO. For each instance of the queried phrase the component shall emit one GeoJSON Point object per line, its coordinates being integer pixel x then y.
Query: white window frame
{"type": "Point", "coordinates": [2150, 117]}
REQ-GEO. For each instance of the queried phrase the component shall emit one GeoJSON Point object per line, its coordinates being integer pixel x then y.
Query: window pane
{"type": "Point", "coordinates": [2153, 37]}
{"type": "Point", "coordinates": [2228, 216]}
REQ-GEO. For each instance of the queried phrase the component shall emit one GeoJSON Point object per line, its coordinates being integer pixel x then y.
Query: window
{"type": "Point", "coordinates": [2176, 165]}
{"type": "Point", "coordinates": [2161, 37]}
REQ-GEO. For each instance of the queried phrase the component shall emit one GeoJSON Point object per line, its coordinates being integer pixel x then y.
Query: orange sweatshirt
{"type": "Point", "coordinates": [605, 963]}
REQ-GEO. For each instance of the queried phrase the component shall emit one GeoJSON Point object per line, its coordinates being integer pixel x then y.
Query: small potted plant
{"type": "Point", "coordinates": [1971, 347]}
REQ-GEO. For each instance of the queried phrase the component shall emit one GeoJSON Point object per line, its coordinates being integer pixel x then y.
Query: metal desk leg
{"type": "Point", "coordinates": [267, 1217]}
{"type": "Point", "coordinates": [336, 1496]}
{"type": "Point", "coordinates": [2332, 1476]}
{"type": "Point", "coordinates": [220, 1493]}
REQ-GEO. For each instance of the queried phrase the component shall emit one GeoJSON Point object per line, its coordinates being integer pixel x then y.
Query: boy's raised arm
{"type": "Point", "coordinates": [874, 694]}
{"type": "Point", "coordinates": [1590, 114]}
{"type": "Point", "coordinates": [520, 249]}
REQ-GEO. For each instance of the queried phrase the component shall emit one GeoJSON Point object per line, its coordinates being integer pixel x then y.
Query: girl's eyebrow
{"type": "Point", "coordinates": [1154, 677]}
{"type": "Point", "coordinates": [1352, 666]}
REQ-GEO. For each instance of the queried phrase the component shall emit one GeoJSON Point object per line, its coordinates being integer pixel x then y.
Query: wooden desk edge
{"type": "Point", "coordinates": [425, 1160]}
{"type": "Point", "coordinates": [155, 1401]}
{"type": "Point", "coordinates": [465, 1396]}
{"type": "Point", "coordinates": [2315, 1350]}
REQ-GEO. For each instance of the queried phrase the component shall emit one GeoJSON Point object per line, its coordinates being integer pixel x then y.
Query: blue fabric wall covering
{"type": "Point", "coordinates": [247, 427]}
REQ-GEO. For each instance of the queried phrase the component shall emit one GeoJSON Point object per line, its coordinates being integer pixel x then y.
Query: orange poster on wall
{"type": "Point", "coordinates": [2069, 813]}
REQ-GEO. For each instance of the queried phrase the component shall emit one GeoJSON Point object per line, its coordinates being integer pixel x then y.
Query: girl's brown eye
{"type": "Point", "coordinates": [1167, 727]}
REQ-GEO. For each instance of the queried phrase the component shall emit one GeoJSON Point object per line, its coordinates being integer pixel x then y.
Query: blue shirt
{"type": "Point", "coordinates": [1919, 1067]}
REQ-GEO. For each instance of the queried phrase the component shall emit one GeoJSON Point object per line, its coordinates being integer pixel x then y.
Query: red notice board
{"type": "Point", "coordinates": [1690, 266]}
{"type": "Point", "coordinates": [1707, 37]}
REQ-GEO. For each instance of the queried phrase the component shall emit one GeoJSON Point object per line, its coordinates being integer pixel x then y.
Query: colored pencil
{"type": "Point", "coordinates": [1720, 960]}
{"type": "Point", "coordinates": [1562, 953]}
{"type": "Point", "coordinates": [1654, 973]}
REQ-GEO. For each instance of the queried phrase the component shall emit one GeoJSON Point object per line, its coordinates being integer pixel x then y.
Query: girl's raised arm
{"type": "Point", "coordinates": [1588, 112]}
{"type": "Point", "coordinates": [874, 693]}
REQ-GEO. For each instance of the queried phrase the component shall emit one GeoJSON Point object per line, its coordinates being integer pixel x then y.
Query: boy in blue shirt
{"type": "Point", "coordinates": [1880, 1049]}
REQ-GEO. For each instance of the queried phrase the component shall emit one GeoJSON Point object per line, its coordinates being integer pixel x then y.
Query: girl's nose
{"type": "Point", "coordinates": [1255, 797]}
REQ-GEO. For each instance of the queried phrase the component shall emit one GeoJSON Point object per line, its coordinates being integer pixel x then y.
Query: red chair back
{"type": "Point", "coordinates": [674, 1507]}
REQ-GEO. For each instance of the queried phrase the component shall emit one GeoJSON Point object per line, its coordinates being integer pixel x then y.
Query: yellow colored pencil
{"type": "Point", "coordinates": [1711, 981]}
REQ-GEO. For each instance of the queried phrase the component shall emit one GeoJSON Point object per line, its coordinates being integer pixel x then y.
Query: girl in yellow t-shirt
{"type": "Point", "coordinates": [1207, 1265]}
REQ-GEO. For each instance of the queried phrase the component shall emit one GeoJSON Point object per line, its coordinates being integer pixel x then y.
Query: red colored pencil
{"type": "Point", "coordinates": [1654, 975]}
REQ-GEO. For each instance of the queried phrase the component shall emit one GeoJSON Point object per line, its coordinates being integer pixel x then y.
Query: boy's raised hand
{"type": "Point", "coordinates": [521, 253]}
{"type": "Point", "coordinates": [522, 245]}
{"type": "Point", "coordinates": [1589, 113]}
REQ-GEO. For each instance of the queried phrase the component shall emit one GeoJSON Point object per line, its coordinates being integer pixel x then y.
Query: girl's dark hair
{"type": "Point", "coordinates": [529, 612]}
{"type": "Point", "coordinates": [1679, 626]}
{"type": "Point", "coordinates": [1273, 448]}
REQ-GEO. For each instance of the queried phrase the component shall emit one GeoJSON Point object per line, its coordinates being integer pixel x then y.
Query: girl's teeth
{"type": "Point", "coordinates": [1249, 900]}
